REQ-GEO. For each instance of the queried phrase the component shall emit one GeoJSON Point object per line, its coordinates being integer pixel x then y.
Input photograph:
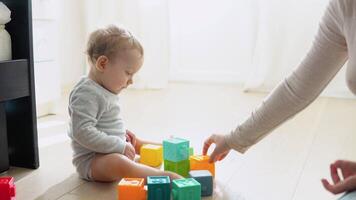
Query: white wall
{"type": "Point", "coordinates": [72, 40]}
{"type": "Point", "coordinates": [211, 40]}
{"type": "Point", "coordinates": [58, 50]}
{"type": "Point", "coordinates": [148, 20]}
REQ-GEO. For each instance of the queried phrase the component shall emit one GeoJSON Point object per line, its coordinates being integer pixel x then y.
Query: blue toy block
{"type": "Point", "coordinates": [205, 179]}
{"type": "Point", "coordinates": [175, 149]}
{"type": "Point", "coordinates": [186, 189]}
{"type": "Point", "coordinates": [159, 188]}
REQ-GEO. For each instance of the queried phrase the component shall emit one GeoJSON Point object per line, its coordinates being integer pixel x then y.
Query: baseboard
{"type": "Point", "coordinates": [44, 109]}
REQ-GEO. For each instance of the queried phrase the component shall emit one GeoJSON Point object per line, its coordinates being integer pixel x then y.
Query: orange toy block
{"type": "Point", "coordinates": [132, 188]}
{"type": "Point", "coordinates": [202, 163]}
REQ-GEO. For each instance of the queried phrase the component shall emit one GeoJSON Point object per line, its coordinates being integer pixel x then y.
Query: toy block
{"type": "Point", "coordinates": [159, 188]}
{"type": "Point", "coordinates": [191, 151]}
{"type": "Point", "coordinates": [181, 167]}
{"type": "Point", "coordinates": [186, 189]}
{"type": "Point", "coordinates": [175, 149]}
{"type": "Point", "coordinates": [202, 163]}
{"type": "Point", "coordinates": [205, 179]}
{"type": "Point", "coordinates": [131, 188]}
{"type": "Point", "coordinates": [7, 188]}
{"type": "Point", "coordinates": [151, 155]}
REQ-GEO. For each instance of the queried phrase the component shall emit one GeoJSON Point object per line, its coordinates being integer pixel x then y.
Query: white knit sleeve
{"type": "Point", "coordinates": [327, 55]}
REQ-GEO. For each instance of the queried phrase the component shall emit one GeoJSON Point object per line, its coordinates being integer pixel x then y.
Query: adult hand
{"type": "Point", "coordinates": [348, 171]}
{"type": "Point", "coordinates": [221, 148]}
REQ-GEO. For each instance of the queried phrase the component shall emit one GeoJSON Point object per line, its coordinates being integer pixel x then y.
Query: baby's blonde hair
{"type": "Point", "coordinates": [109, 42]}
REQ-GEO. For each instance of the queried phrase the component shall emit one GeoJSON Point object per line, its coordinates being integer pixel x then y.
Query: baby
{"type": "Point", "coordinates": [104, 150]}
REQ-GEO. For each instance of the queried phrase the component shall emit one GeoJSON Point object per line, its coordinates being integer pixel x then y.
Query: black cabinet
{"type": "Point", "coordinates": [18, 123]}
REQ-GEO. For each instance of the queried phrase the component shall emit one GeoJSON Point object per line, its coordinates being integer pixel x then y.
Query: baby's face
{"type": "Point", "coordinates": [120, 71]}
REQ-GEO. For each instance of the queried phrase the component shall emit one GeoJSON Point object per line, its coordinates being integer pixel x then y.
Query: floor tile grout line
{"type": "Point", "coordinates": [307, 158]}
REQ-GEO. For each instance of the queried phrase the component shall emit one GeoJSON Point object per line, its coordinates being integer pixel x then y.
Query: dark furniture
{"type": "Point", "coordinates": [18, 125]}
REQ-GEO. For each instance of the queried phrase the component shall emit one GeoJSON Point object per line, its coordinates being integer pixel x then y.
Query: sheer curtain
{"type": "Point", "coordinates": [148, 20]}
{"type": "Point", "coordinates": [285, 32]}
{"type": "Point", "coordinates": [255, 43]}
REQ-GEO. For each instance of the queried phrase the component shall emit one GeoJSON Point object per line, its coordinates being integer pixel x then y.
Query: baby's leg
{"type": "Point", "coordinates": [113, 167]}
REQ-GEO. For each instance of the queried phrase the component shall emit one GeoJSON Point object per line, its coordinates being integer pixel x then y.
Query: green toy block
{"type": "Point", "coordinates": [191, 151]}
{"type": "Point", "coordinates": [186, 189]}
{"type": "Point", "coordinates": [182, 167]}
{"type": "Point", "coordinates": [175, 149]}
{"type": "Point", "coordinates": [159, 188]}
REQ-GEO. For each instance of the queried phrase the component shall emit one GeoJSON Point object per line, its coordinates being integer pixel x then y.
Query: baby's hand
{"type": "Point", "coordinates": [131, 137]}
{"type": "Point", "coordinates": [129, 151]}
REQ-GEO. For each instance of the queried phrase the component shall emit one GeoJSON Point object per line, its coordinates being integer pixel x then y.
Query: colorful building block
{"type": "Point", "coordinates": [131, 188]}
{"type": "Point", "coordinates": [205, 179]}
{"type": "Point", "coordinates": [202, 163]}
{"type": "Point", "coordinates": [159, 188]}
{"type": "Point", "coordinates": [7, 188]}
{"type": "Point", "coordinates": [191, 151]}
{"type": "Point", "coordinates": [151, 155]}
{"type": "Point", "coordinates": [175, 149]}
{"type": "Point", "coordinates": [186, 189]}
{"type": "Point", "coordinates": [181, 167]}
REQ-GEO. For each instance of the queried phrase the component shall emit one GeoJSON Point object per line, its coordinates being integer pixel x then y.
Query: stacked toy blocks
{"type": "Point", "coordinates": [159, 188]}
{"type": "Point", "coordinates": [131, 188]}
{"type": "Point", "coordinates": [186, 189]}
{"type": "Point", "coordinates": [151, 155]}
{"type": "Point", "coordinates": [202, 163]}
{"type": "Point", "coordinates": [205, 179]}
{"type": "Point", "coordinates": [176, 156]}
{"type": "Point", "coordinates": [7, 188]}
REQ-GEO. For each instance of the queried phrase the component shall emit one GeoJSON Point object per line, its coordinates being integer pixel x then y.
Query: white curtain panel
{"type": "Point", "coordinates": [285, 32]}
{"type": "Point", "coordinates": [148, 20]}
{"type": "Point", "coordinates": [255, 42]}
{"type": "Point", "coordinates": [211, 41]}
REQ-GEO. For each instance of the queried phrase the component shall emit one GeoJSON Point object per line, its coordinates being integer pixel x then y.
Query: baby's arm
{"type": "Point", "coordinates": [84, 110]}
{"type": "Point", "coordinates": [137, 142]}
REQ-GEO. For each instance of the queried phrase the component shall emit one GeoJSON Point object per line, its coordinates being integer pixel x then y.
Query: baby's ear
{"type": "Point", "coordinates": [101, 63]}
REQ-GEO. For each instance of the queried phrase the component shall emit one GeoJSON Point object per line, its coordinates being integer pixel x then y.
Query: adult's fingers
{"type": "Point", "coordinates": [335, 189]}
{"type": "Point", "coordinates": [340, 163]}
{"type": "Point", "coordinates": [215, 155]}
{"type": "Point", "coordinates": [207, 144]}
{"type": "Point", "coordinates": [334, 174]}
{"type": "Point", "coordinates": [345, 167]}
{"type": "Point", "coordinates": [223, 156]}
{"type": "Point", "coordinates": [343, 186]}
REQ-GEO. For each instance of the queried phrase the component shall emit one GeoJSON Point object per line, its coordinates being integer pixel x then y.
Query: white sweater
{"type": "Point", "coordinates": [334, 43]}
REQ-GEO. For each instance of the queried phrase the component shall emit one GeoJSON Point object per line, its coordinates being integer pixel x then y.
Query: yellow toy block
{"type": "Point", "coordinates": [132, 188]}
{"type": "Point", "coordinates": [202, 163]}
{"type": "Point", "coordinates": [151, 155]}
